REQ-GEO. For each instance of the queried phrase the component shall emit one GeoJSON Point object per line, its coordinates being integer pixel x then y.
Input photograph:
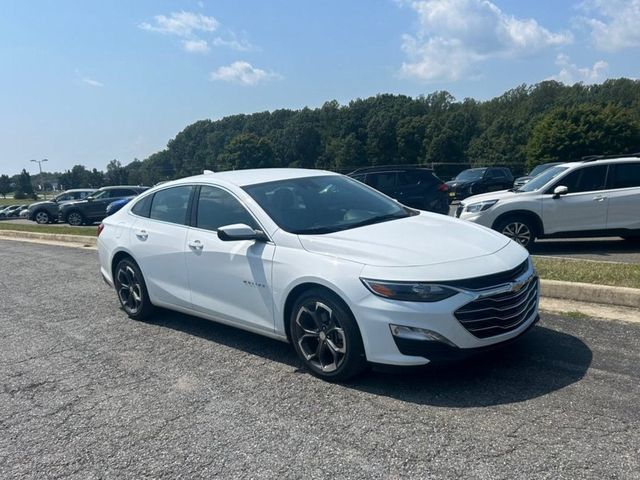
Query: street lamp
{"type": "Point", "coordinates": [39, 162]}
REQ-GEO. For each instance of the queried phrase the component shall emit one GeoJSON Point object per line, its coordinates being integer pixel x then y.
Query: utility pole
{"type": "Point", "coordinates": [39, 162]}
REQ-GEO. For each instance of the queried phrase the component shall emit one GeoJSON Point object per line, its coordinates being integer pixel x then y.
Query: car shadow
{"type": "Point", "coordinates": [601, 247]}
{"type": "Point", "coordinates": [543, 361]}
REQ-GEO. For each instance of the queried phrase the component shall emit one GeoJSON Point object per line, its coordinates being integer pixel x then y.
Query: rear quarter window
{"type": "Point", "coordinates": [143, 206]}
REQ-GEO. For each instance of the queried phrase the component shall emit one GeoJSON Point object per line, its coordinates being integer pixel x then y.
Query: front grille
{"type": "Point", "coordinates": [459, 210]}
{"type": "Point", "coordinates": [500, 313]}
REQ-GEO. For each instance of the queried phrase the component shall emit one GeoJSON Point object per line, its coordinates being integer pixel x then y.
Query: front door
{"type": "Point", "coordinates": [230, 280]}
{"type": "Point", "coordinates": [583, 208]}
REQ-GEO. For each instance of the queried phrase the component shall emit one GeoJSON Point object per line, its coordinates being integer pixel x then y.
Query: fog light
{"type": "Point", "coordinates": [415, 333]}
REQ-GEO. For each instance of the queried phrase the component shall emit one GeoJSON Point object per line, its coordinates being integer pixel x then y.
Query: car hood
{"type": "Point", "coordinates": [425, 239]}
{"type": "Point", "coordinates": [498, 195]}
{"type": "Point", "coordinates": [43, 203]}
{"type": "Point", "coordinates": [525, 177]}
{"type": "Point", "coordinates": [457, 183]}
{"type": "Point", "coordinates": [71, 203]}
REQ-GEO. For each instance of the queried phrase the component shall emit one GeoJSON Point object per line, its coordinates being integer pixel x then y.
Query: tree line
{"type": "Point", "coordinates": [521, 128]}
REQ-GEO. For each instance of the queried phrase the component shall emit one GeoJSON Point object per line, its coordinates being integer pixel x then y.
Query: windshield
{"type": "Point", "coordinates": [471, 174]}
{"type": "Point", "coordinates": [97, 194]}
{"type": "Point", "coordinates": [324, 204]}
{"type": "Point", "coordinates": [542, 179]}
{"type": "Point", "coordinates": [539, 169]}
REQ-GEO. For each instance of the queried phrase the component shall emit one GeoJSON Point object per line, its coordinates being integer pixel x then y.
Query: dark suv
{"type": "Point", "coordinates": [479, 180]}
{"type": "Point", "coordinates": [412, 186]}
{"type": "Point", "coordinates": [47, 211]}
{"type": "Point", "coordinates": [93, 208]}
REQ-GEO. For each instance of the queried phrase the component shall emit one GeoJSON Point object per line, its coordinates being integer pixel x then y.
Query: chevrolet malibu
{"type": "Point", "coordinates": [345, 274]}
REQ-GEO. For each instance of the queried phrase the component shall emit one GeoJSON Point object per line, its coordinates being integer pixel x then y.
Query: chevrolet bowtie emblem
{"type": "Point", "coordinates": [517, 286]}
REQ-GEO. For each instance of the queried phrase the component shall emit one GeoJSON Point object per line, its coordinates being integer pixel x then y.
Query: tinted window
{"type": "Point", "coordinates": [360, 177]}
{"type": "Point", "coordinates": [496, 174]}
{"type": "Point", "coordinates": [170, 205]}
{"type": "Point", "coordinates": [542, 179]}
{"type": "Point", "coordinates": [470, 174]}
{"type": "Point", "coordinates": [384, 181]}
{"type": "Point", "coordinates": [217, 208]}
{"type": "Point", "coordinates": [143, 206]}
{"type": "Point", "coordinates": [121, 192]}
{"type": "Point", "coordinates": [65, 197]}
{"type": "Point", "coordinates": [625, 175]}
{"type": "Point", "coordinates": [585, 179]}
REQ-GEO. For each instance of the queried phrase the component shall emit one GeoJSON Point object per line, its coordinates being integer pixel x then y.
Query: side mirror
{"type": "Point", "coordinates": [560, 190]}
{"type": "Point", "coordinates": [240, 231]}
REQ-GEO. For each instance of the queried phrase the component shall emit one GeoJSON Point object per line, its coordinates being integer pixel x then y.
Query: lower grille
{"type": "Point", "coordinates": [500, 313]}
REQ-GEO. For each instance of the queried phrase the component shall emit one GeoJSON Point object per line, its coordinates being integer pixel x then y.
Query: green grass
{"type": "Point", "coordinates": [66, 230]}
{"type": "Point", "coordinates": [576, 315]}
{"type": "Point", "coordinates": [599, 273]}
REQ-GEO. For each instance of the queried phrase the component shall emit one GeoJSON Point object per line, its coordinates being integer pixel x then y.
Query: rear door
{"type": "Point", "coordinates": [157, 242]}
{"type": "Point", "coordinates": [623, 190]}
{"type": "Point", "coordinates": [583, 208]}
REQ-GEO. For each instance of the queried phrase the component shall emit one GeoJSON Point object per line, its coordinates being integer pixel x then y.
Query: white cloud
{"type": "Point", "coordinates": [182, 24]}
{"type": "Point", "coordinates": [571, 73]}
{"type": "Point", "coordinates": [92, 82]}
{"type": "Point", "coordinates": [454, 36]}
{"type": "Point", "coordinates": [614, 24]}
{"type": "Point", "coordinates": [243, 73]}
{"type": "Point", "coordinates": [241, 45]}
{"type": "Point", "coordinates": [195, 46]}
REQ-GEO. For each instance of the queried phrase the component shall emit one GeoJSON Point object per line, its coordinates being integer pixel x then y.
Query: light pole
{"type": "Point", "coordinates": [39, 162]}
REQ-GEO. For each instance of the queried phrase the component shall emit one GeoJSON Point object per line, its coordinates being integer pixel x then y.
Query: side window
{"type": "Point", "coordinates": [64, 198]}
{"type": "Point", "coordinates": [80, 195]}
{"type": "Point", "coordinates": [407, 179]}
{"type": "Point", "coordinates": [624, 175]}
{"type": "Point", "coordinates": [495, 173]}
{"type": "Point", "coordinates": [170, 205]}
{"type": "Point", "coordinates": [143, 206]}
{"type": "Point", "coordinates": [587, 179]}
{"type": "Point", "coordinates": [121, 192]}
{"type": "Point", "coordinates": [217, 208]}
{"type": "Point", "coordinates": [382, 181]}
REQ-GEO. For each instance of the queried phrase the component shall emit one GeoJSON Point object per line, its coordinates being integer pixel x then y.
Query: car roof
{"type": "Point", "coordinates": [601, 161]}
{"type": "Point", "coordinates": [136, 187]}
{"type": "Point", "coordinates": [253, 176]}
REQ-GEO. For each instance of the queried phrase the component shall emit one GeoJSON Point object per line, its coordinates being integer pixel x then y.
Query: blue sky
{"type": "Point", "coordinates": [89, 81]}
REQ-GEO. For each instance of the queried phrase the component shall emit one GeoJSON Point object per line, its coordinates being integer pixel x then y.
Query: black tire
{"type": "Point", "coordinates": [132, 290]}
{"type": "Point", "coordinates": [76, 218]}
{"type": "Point", "coordinates": [326, 337]}
{"type": "Point", "coordinates": [519, 229]}
{"type": "Point", "coordinates": [632, 238]}
{"type": "Point", "coordinates": [42, 217]}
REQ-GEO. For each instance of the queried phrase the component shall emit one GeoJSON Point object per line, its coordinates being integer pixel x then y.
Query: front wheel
{"type": "Point", "coordinates": [519, 230]}
{"type": "Point", "coordinates": [132, 290]}
{"type": "Point", "coordinates": [326, 336]}
{"type": "Point", "coordinates": [42, 217]}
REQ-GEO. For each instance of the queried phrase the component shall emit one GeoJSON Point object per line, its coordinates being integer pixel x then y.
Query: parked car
{"type": "Point", "coordinates": [412, 186]}
{"type": "Point", "coordinates": [479, 180]}
{"type": "Point", "coordinates": [537, 170]}
{"type": "Point", "coordinates": [116, 205]}
{"type": "Point", "coordinates": [24, 213]}
{"type": "Point", "coordinates": [599, 197]}
{"type": "Point", "coordinates": [8, 212]}
{"type": "Point", "coordinates": [48, 210]}
{"type": "Point", "coordinates": [94, 207]}
{"type": "Point", "coordinates": [347, 275]}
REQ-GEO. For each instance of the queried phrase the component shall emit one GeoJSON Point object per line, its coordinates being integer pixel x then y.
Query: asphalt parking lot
{"type": "Point", "coordinates": [87, 393]}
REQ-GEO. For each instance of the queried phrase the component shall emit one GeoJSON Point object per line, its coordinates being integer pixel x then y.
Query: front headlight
{"type": "Point", "coordinates": [409, 291]}
{"type": "Point", "coordinates": [480, 206]}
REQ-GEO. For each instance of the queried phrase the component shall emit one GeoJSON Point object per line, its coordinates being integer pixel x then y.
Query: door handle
{"type": "Point", "coordinates": [599, 198]}
{"type": "Point", "coordinates": [142, 234]}
{"type": "Point", "coordinates": [196, 244]}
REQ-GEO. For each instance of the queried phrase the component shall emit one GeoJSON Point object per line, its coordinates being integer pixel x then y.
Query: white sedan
{"type": "Point", "coordinates": [347, 275]}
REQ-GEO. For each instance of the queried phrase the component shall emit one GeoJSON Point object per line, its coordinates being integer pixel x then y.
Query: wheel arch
{"type": "Point", "coordinates": [117, 258]}
{"type": "Point", "coordinates": [299, 289]}
{"type": "Point", "coordinates": [528, 214]}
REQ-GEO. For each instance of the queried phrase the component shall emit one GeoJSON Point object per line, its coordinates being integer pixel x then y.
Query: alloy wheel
{"type": "Point", "coordinates": [320, 337]}
{"type": "Point", "coordinates": [42, 217]}
{"type": "Point", "coordinates": [519, 232]}
{"type": "Point", "coordinates": [74, 219]}
{"type": "Point", "coordinates": [129, 290]}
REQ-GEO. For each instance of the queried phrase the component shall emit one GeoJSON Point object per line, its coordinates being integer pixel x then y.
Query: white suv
{"type": "Point", "coordinates": [595, 197]}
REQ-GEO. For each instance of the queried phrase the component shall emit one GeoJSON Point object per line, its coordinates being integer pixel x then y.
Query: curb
{"type": "Point", "coordinates": [77, 240]}
{"type": "Point", "coordinates": [589, 293]}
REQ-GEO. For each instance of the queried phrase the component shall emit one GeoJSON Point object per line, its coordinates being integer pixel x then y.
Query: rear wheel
{"type": "Point", "coordinates": [518, 229]}
{"type": "Point", "coordinates": [632, 238]}
{"type": "Point", "coordinates": [132, 290]}
{"type": "Point", "coordinates": [76, 219]}
{"type": "Point", "coordinates": [326, 337]}
{"type": "Point", "coordinates": [42, 217]}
